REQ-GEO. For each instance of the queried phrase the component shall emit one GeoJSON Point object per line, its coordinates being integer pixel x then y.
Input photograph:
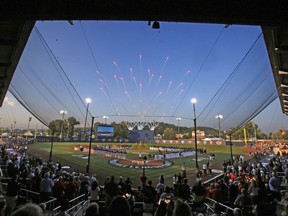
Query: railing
{"type": "Point", "coordinates": [228, 210]}
{"type": "Point", "coordinates": [214, 179]}
{"type": "Point", "coordinates": [80, 209]}
{"type": "Point", "coordinates": [80, 198]}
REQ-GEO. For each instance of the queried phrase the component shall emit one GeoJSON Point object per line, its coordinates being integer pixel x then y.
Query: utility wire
{"type": "Point", "coordinates": [198, 72]}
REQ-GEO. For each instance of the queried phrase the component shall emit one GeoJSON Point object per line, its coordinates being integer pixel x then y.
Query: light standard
{"type": "Point", "coordinates": [178, 119]}
{"type": "Point", "coordinates": [63, 113]}
{"type": "Point", "coordinates": [51, 150]}
{"type": "Point", "coordinates": [194, 101]}
{"type": "Point", "coordinates": [105, 118]}
{"type": "Point", "coordinates": [90, 142]}
{"type": "Point", "coordinates": [88, 101]}
{"type": "Point", "coordinates": [29, 120]}
{"type": "Point", "coordinates": [219, 117]}
{"type": "Point", "coordinates": [231, 153]}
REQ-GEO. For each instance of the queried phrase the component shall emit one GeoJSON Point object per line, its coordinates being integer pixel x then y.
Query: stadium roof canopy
{"type": "Point", "coordinates": [17, 19]}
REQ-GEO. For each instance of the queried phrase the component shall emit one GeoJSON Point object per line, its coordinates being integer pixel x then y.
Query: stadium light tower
{"type": "Point", "coordinates": [219, 117]}
{"type": "Point", "coordinates": [63, 113]}
{"type": "Point", "coordinates": [194, 101]}
{"type": "Point", "coordinates": [90, 146]}
{"type": "Point", "coordinates": [178, 119]}
{"type": "Point", "coordinates": [105, 118]}
{"type": "Point", "coordinates": [88, 101]}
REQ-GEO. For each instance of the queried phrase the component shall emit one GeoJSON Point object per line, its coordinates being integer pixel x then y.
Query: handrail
{"type": "Point", "coordinates": [80, 196]}
{"type": "Point", "coordinates": [29, 191]}
{"type": "Point", "coordinates": [221, 204]}
{"type": "Point", "coordinates": [213, 179]}
{"type": "Point", "coordinates": [70, 201]}
{"type": "Point", "coordinates": [76, 213]}
{"type": "Point", "coordinates": [75, 206]}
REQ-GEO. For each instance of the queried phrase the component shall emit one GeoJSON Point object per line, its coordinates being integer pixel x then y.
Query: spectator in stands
{"type": "Point", "coordinates": [92, 210]}
{"type": "Point", "coordinates": [215, 192]}
{"type": "Point", "coordinates": [139, 196]}
{"type": "Point", "coordinates": [253, 191]}
{"type": "Point", "coordinates": [94, 192]}
{"type": "Point", "coordinates": [198, 194]}
{"type": "Point", "coordinates": [59, 189]}
{"type": "Point", "coordinates": [160, 186]}
{"type": "Point", "coordinates": [64, 207]}
{"type": "Point", "coordinates": [181, 209]}
{"type": "Point", "coordinates": [232, 192]}
{"type": "Point", "coordinates": [28, 210]}
{"type": "Point", "coordinates": [119, 206]}
{"type": "Point", "coordinates": [149, 193]}
{"type": "Point", "coordinates": [286, 172]}
{"type": "Point", "coordinates": [121, 186]}
{"type": "Point", "coordinates": [285, 210]}
{"type": "Point", "coordinates": [111, 190]}
{"type": "Point", "coordinates": [216, 209]}
{"type": "Point", "coordinates": [70, 189]}
{"type": "Point", "coordinates": [93, 178]}
{"type": "Point", "coordinates": [237, 212]}
{"type": "Point", "coordinates": [167, 194]}
{"type": "Point", "coordinates": [12, 190]}
{"type": "Point", "coordinates": [46, 186]}
{"type": "Point", "coordinates": [84, 186]}
{"type": "Point", "coordinates": [161, 209]}
{"type": "Point", "coordinates": [184, 190]}
{"type": "Point", "coordinates": [128, 181]}
{"type": "Point", "coordinates": [242, 199]}
{"type": "Point", "coordinates": [275, 186]}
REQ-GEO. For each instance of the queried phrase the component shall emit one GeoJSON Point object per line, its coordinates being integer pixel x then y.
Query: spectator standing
{"type": "Point", "coordinates": [184, 191]}
{"type": "Point", "coordinates": [204, 167]}
{"type": "Point", "coordinates": [59, 189]}
{"type": "Point", "coordinates": [94, 192]}
{"type": "Point", "coordinates": [275, 186]}
{"type": "Point", "coordinates": [12, 190]}
{"type": "Point", "coordinates": [46, 186]}
{"type": "Point", "coordinates": [111, 190]}
{"type": "Point", "coordinates": [149, 193]}
{"type": "Point", "coordinates": [70, 189]}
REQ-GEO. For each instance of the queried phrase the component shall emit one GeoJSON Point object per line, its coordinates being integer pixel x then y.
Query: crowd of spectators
{"type": "Point", "coordinates": [248, 187]}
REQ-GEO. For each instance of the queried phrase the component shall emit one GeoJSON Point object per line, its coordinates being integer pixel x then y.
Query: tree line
{"type": "Point", "coordinates": [167, 131]}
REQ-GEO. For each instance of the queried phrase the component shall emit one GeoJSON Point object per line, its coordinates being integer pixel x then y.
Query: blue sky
{"type": "Point", "coordinates": [130, 69]}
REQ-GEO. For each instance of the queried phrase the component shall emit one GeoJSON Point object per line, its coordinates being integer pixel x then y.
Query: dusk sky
{"type": "Point", "coordinates": [137, 73]}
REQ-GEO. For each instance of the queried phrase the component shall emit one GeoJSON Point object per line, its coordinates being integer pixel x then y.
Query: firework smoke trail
{"type": "Point", "coordinates": [149, 104]}
{"type": "Point", "coordinates": [140, 64]}
{"type": "Point", "coordinates": [115, 63]}
{"type": "Point", "coordinates": [123, 83]}
{"type": "Point", "coordinates": [131, 76]}
{"type": "Point", "coordinates": [168, 88]}
{"type": "Point", "coordinates": [135, 82]}
{"type": "Point", "coordinates": [178, 86]}
{"type": "Point", "coordinates": [102, 80]}
{"type": "Point", "coordinates": [150, 79]}
{"type": "Point", "coordinates": [149, 73]}
{"type": "Point", "coordinates": [121, 76]}
{"type": "Point", "coordinates": [161, 72]}
{"type": "Point", "coordinates": [140, 98]}
{"type": "Point", "coordinates": [116, 80]}
{"type": "Point", "coordinates": [180, 92]}
{"type": "Point", "coordinates": [159, 79]}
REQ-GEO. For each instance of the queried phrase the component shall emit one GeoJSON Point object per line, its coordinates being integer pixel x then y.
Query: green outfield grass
{"type": "Point", "coordinates": [63, 152]}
